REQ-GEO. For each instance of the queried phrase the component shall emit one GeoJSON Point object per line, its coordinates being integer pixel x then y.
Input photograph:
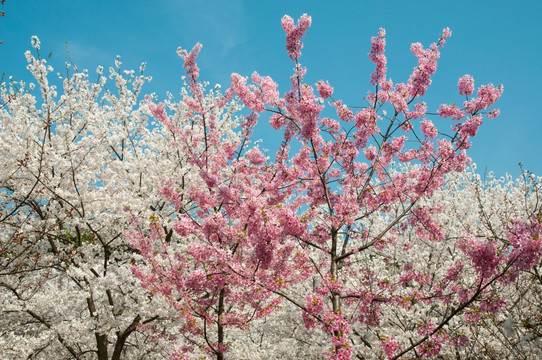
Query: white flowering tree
{"type": "Point", "coordinates": [502, 214]}
{"type": "Point", "coordinates": [78, 161]}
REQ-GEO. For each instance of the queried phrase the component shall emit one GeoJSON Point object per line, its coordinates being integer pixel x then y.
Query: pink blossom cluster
{"type": "Point", "coordinates": [483, 254]}
{"type": "Point", "coordinates": [324, 89]}
{"type": "Point", "coordinates": [378, 57]}
{"type": "Point", "coordinates": [419, 110]}
{"type": "Point", "coordinates": [486, 96]}
{"type": "Point", "coordinates": [431, 347]}
{"type": "Point", "coordinates": [255, 156]}
{"type": "Point", "coordinates": [314, 305]}
{"type": "Point", "coordinates": [192, 69]}
{"type": "Point", "coordinates": [417, 276]}
{"type": "Point", "coordinates": [466, 85]}
{"type": "Point", "coordinates": [390, 345]}
{"type": "Point", "coordinates": [294, 33]}
{"type": "Point", "coordinates": [451, 111]}
{"type": "Point", "coordinates": [369, 308]}
{"type": "Point", "coordinates": [525, 237]}
{"type": "Point", "coordinates": [159, 112]}
{"type": "Point", "coordinates": [338, 326]}
{"type": "Point", "coordinates": [420, 79]}
{"type": "Point", "coordinates": [366, 126]}
{"type": "Point", "coordinates": [255, 97]}
{"type": "Point", "coordinates": [429, 129]}
{"type": "Point", "coordinates": [470, 127]}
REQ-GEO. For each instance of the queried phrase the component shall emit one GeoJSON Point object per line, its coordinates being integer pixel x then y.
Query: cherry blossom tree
{"type": "Point", "coordinates": [77, 164]}
{"type": "Point", "coordinates": [234, 224]}
{"type": "Point", "coordinates": [344, 207]}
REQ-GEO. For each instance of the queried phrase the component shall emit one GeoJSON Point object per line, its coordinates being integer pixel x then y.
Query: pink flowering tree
{"type": "Point", "coordinates": [240, 235]}
{"type": "Point", "coordinates": [333, 213]}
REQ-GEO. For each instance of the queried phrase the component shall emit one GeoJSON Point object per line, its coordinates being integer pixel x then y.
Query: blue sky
{"type": "Point", "coordinates": [495, 41]}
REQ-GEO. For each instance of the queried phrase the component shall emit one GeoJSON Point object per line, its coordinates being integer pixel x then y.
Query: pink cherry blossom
{"type": "Point", "coordinates": [377, 56]}
{"type": "Point", "coordinates": [256, 157]}
{"type": "Point", "coordinates": [466, 85]}
{"type": "Point", "coordinates": [324, 89]}
{"type": "Point", "coordinates": [428, 128]}
{"type": "Point", "coordinates": [483, 254]}
{"type": "Point", "coordinates": [294, 33]}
